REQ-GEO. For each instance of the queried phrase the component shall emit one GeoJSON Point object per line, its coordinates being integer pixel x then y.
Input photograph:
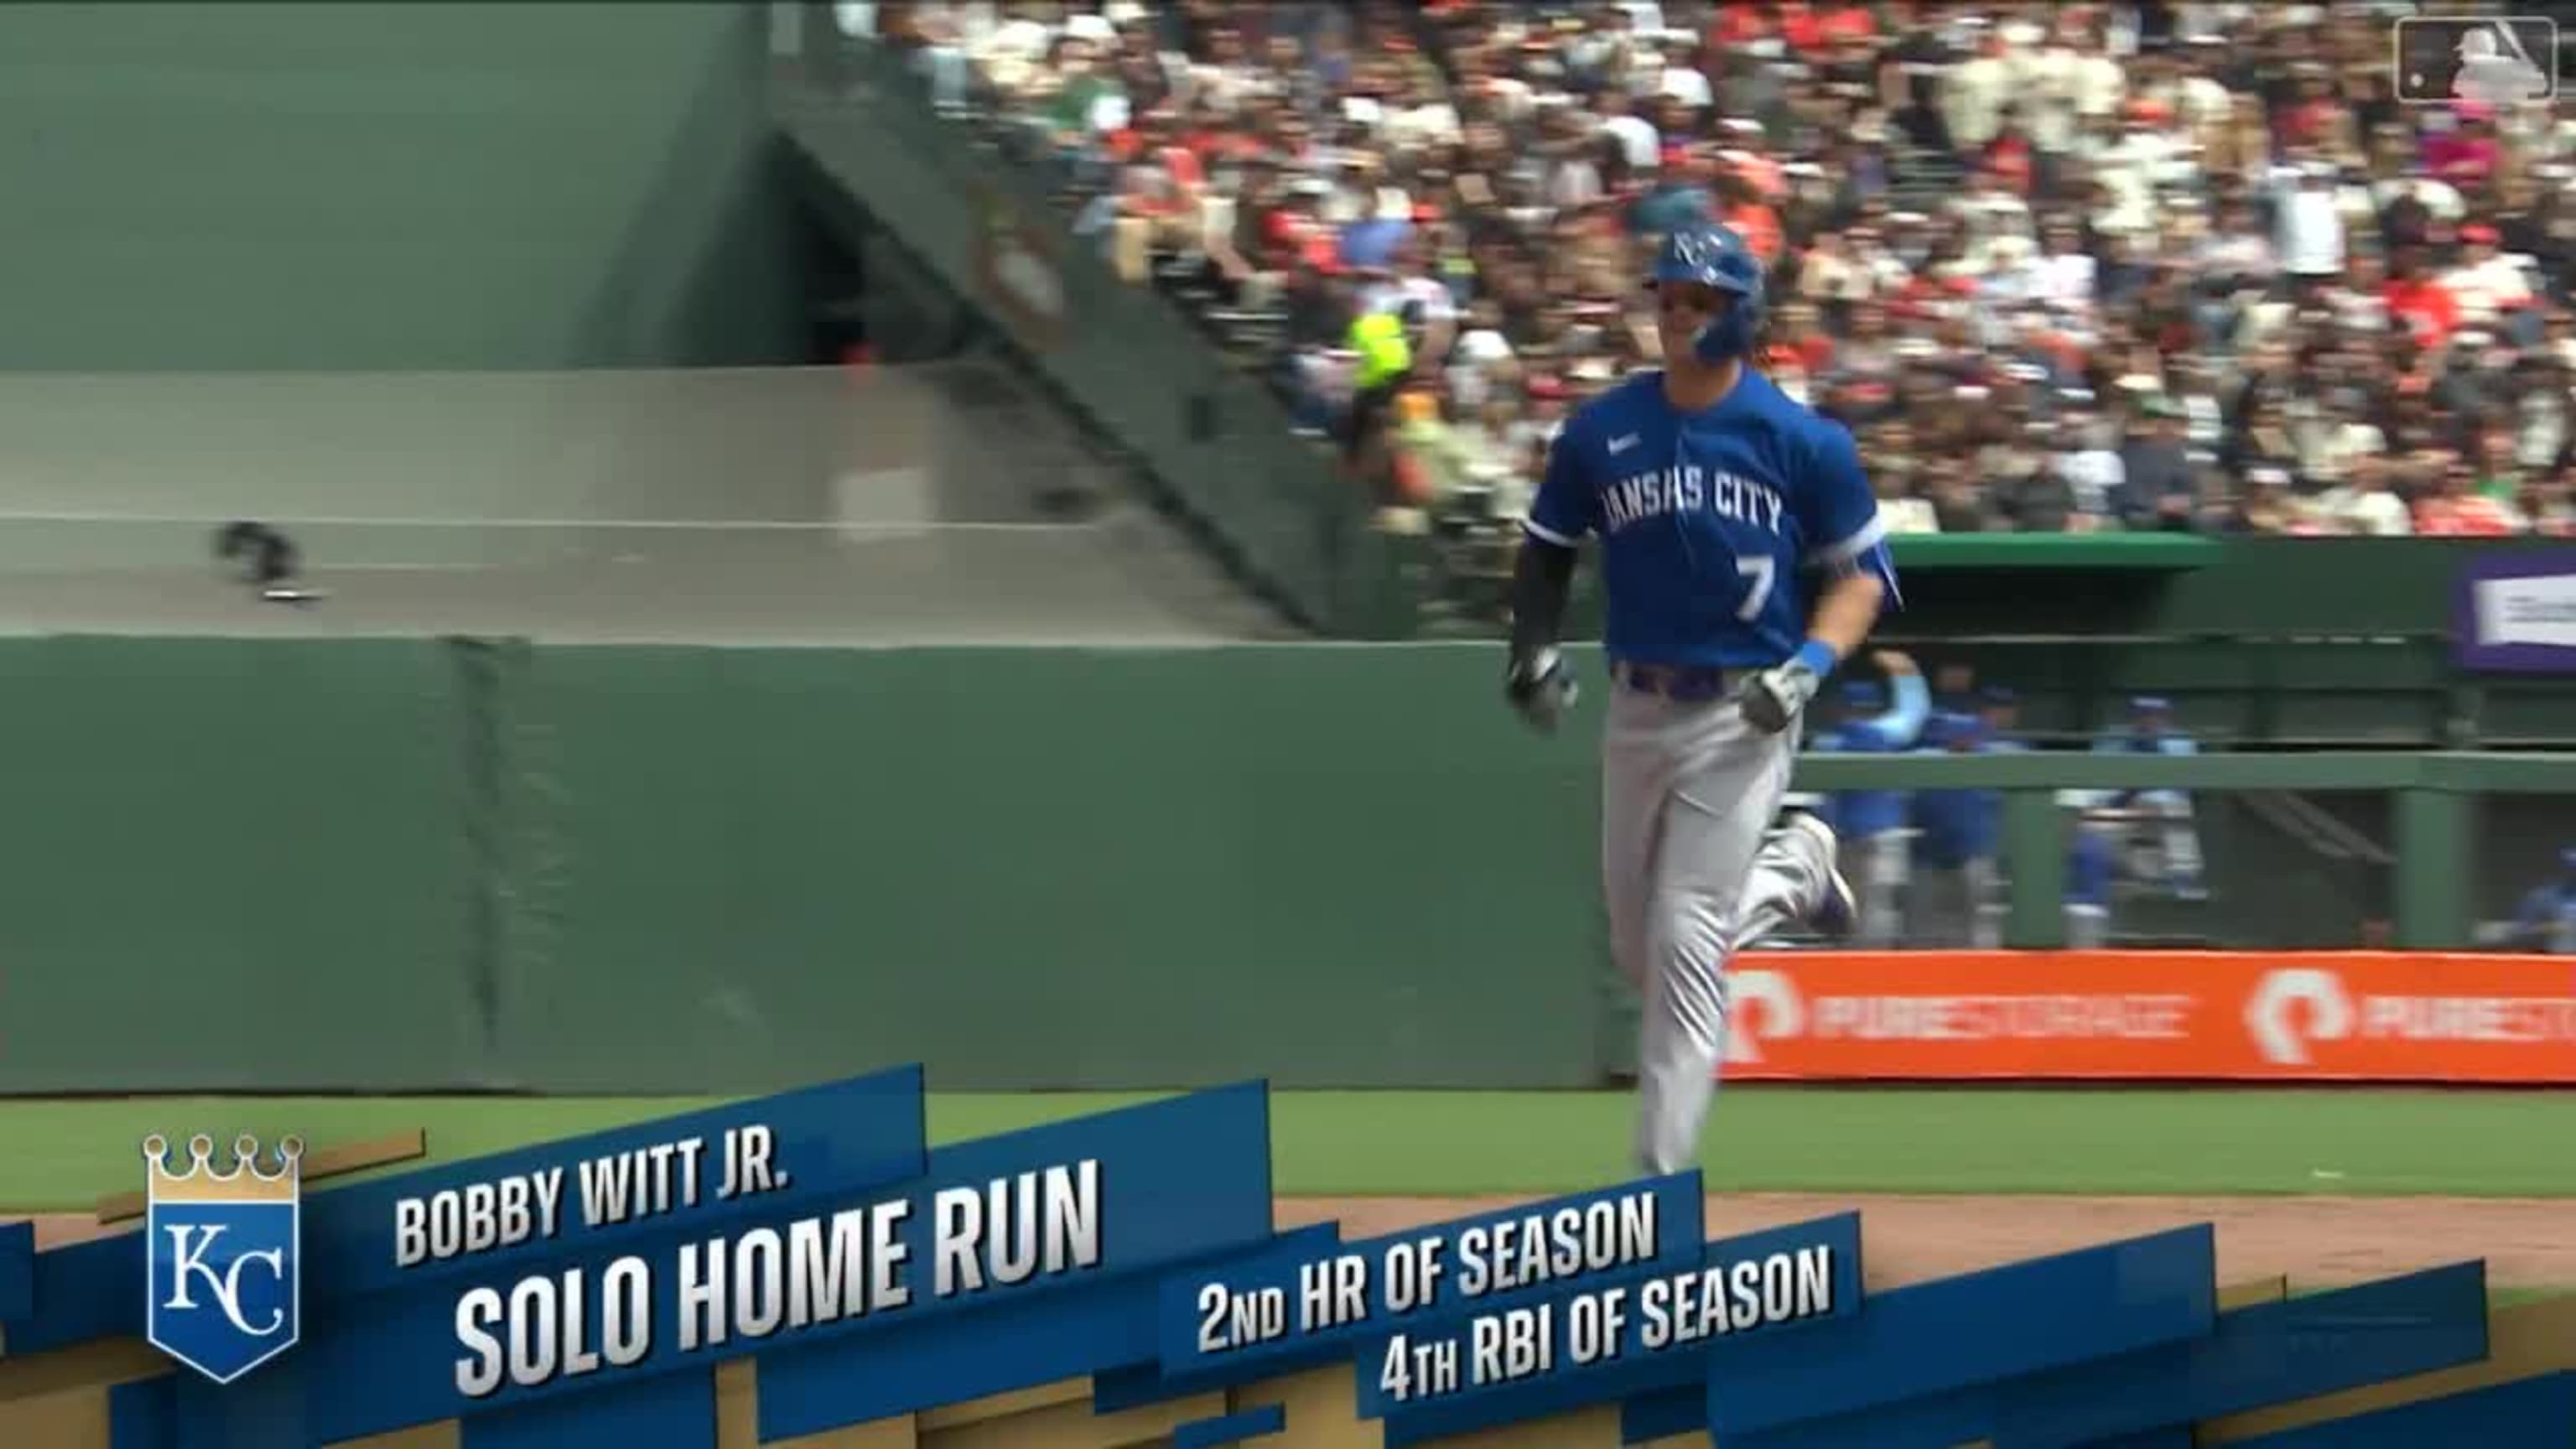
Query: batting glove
{"type": "Point", "coordinates": [1541, 688]}
{"type": "Point", "coordinates": [1773, 697]}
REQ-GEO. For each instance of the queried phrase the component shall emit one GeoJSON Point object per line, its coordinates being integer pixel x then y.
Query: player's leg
{"type": "Point", "coordinates": [1636, 770]}
{"type": "Point", "coordinates": [2180, 840]}
{"type": "Point", "coordinates": [1985, 903]}
{"type": "Point", "coordinates": [1715, 821]}
{"type": "Point", "coordinates": [1959, 906]}
{"type": "Point", "coordinates": [1940, 909]}
{"type": "Point", "coordinates": [1793, 882]}
{"type": "Point", "coordinates": [1884, 858]}
{"type": "Point", "coordinates": [1642, 741]}
{"type": "Point", "coordinates": [2088, 926]}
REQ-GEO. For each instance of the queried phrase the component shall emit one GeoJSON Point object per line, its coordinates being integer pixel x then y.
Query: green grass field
{"type": "Point", "coordinates": [57, 1156]}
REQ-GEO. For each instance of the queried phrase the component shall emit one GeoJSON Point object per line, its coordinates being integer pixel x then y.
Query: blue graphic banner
{"type": "Point", "coordinates": [1285, 1305]}
{"type": "Point", "coordinates": [585, 1293]}
{"type": "Point", "coordinates": [1615, 1341]}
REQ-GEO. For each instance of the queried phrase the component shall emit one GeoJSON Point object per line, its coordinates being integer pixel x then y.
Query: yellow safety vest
{"type": "Point", "coordinates": [1379, 340]}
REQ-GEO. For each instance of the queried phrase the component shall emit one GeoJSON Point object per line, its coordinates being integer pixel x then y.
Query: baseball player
{"type": "Point", "coordinates": [2546, 919]}
{"type": "Point", "coordinates": [1742, 562]}
{"type": "Point", "coordinates": [1955, 840]}
{"type": "Point", "coordinates": [1872, 823]}
{"type": "Point", "coordinates": [2092, 863]}
{"type": "Point", "coordinates": [2151, 731]}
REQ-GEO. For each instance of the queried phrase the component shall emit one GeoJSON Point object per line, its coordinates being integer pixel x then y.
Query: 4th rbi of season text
{"type": "Point", "coordinates": [746, 1284]}
{"type": "Point", "coordinates": [1609, 1238]}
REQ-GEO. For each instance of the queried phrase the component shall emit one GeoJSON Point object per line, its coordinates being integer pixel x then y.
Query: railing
{"type": "Point", "coordinates": [1218, 440]}
{"type": "Point", "coordinates": [2456, 865]}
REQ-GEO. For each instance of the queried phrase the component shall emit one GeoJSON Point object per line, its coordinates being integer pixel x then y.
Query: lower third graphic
{"type": "Point", "coordinates": [222, 1254]}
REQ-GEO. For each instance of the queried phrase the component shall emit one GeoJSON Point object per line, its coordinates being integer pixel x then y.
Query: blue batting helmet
{"type": "Point", "coordinates": [1715, 256]}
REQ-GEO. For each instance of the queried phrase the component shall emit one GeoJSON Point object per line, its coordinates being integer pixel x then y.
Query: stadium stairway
{"type": "Point", "coordinates": [1140, 368]}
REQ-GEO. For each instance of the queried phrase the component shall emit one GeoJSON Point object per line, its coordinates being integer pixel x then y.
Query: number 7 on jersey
{"type": "Point", "coordinates": [1759, 568]}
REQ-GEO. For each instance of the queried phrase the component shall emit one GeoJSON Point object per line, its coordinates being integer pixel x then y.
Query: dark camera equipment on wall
{"type": "Point", "coordinates": [267, 560]}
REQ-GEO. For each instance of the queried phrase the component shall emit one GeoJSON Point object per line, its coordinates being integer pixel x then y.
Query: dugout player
{"type": "Point", "coordinates": [1742, 560]}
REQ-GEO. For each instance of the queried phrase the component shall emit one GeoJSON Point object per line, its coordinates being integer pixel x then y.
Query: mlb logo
{"type": "Point", "coordinates": [222, 1254]}
{"type": "Point", "coordinates": [2503, 60]}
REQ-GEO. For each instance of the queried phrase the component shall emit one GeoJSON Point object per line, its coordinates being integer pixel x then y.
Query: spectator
{"type": "Point", "coordinates": [2091, 468]}
{"type": "Point", "coordinates": [1893, 472]}
{"type": "Point", "coordinates": [2485, 283]}
{"type": "Point", "coordinates": [2216, 210]}
{"type": "Point", "coordinates": [2158, 490]}
{"type": "Point", "coordinates": [2363, 504]}
{"type": "Point", "coordinates": [2457, 509]}
{"type": "Point", "coordinates": [1383, 344]}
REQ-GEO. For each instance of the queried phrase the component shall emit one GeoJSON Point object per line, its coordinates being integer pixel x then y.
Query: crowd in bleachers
{"type": "Point", "coordinates": [2061, 267]}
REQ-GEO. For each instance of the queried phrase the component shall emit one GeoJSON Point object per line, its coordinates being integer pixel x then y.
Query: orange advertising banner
{"type": "Point", "coordinates": [2363, 1016]}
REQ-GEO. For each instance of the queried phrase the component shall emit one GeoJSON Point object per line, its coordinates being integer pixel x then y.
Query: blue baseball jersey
{"type": "Point", "coordinates": [1713, 525]}
{"type": "Point", "coordinates": [2091, 863]}
{"type": "Point", "coordinates": [1956, 825]}
{"type": "Point", "coordinates": [1862, 813]}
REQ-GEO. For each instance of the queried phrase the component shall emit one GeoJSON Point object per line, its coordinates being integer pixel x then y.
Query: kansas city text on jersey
{"type": "Point", "coordinates": [1689, 487]}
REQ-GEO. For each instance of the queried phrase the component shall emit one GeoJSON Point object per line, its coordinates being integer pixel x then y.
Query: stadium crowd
{"type": "Point", "coordinates": [2062, 268]}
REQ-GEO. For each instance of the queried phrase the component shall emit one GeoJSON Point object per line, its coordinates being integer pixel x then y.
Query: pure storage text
{"type": "Point", "coordinates": [2301, 1017]}
{"type": "Point", "coordinates": [2127, 1017]}
{"type": "Point", "coordinates": [2533, 1020]}
{"type": "Point", "coordinates": [2410, 1016]}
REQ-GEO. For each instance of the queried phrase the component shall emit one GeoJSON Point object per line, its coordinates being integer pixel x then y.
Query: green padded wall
{"type": "Point", "coordinates": [392, 864]}
{"type": "Point", "coordinates": [234, 863]}
{"type": "Point", "coordinates": [386, 185]}
{"type": "Point", "coordinates": [1055, 868]}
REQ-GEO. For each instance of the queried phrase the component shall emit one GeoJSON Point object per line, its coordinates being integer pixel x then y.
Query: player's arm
{"type": "Point", "coordinates": [1542, 579]}
{"type": "Point", "coordinates": [1536, 681]}
{"type": "Point", "coordinates": [1909, 708]}
{"type": "Point", "coordinates": [1839, 513]}
{"type": "Point", "coordinates": [1846, 610]}
{"type": "Point", "coordinates": [1850, 551]}
{"type": "Point", "coordinates": [1851, 555]}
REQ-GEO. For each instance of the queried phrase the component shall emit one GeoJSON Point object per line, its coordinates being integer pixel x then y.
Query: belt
{"type": "Point", "coordinates": [1688, 683]}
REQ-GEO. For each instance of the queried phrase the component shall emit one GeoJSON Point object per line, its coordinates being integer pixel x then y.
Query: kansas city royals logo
{"type": "Point", "coordinates": [222, 1255]}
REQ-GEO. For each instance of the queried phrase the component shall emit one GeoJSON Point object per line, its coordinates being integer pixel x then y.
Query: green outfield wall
{"type": "Point", "coordinates": [217, 853]}
{"type": "Point", "coordinates": [400, 864]}
{"type": "Point", "coordinates": [364, 186]}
